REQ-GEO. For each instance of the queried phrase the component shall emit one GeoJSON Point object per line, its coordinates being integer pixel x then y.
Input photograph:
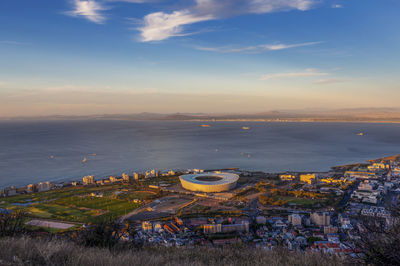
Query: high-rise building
{"type": "Point", "coordinates": [321, 218]}
{"type": "Point", "coordinates": [294, 219]}
{"type": "Point", "coordinates": [308, 178]}
{"type": "Point", "coordinates": [136, 176]}
{"type": "Point", "coordinates": [87, 180]}
{"type": "Point", "coordinates": [44, 186]}
{"type": "Point", "coordinates": [125, 177]}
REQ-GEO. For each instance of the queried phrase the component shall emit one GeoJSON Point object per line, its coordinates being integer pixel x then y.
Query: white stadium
{"type": "Point", "coordinates": [209, 182]}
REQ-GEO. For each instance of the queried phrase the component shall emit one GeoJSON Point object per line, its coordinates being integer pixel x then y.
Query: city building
{"type": "Point", "coordinates": [113, 179]}
{"type": "Point", "coordinates": [44, 186]}
{"type": "Point", "coordinates": [225, 228]}
{"type": "Point", "coordinates": [378, 166]}
{"type": "Point", "coordinates": [212, 228]}
{"type": "Point", "coordinates": [87, 180]}
{"type": "Point", "coordinates": [321, 218]}
{"type": "Point", "coordinates": [366, 185]}
{"type": "Point", "coordinates": [295, 219]}
{"type": "Point", "coordinates": [10, 191]}
{"type": "Point", "coordinates": [361, 175]}
{"type": "Point", "coordinates": [136, 176]}
{"type": "Point", "coordinates": [287, 177]}
{"type": "Point", "coordinates": [147, 226]}
{"type": "Point", "coordinates": [126, 177]}
{"type": "Point", "coordinates": [158, 227]}
{"type": "Point", "coordinates": [330, 229]}
{"type": "Point", "coordinates": [209, 182]}
{"type": "Point", "coordinates": [344, 219]}
{"type": "Point", "coordinates": [333, 181]}
{"type": "Point", "coordinates": [31, 188]}
{"type": "Point", "coordinates": [308, 178]}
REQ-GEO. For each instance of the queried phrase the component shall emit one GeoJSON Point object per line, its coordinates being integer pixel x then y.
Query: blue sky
{"type": "Point", "coordinates": [114, 56]}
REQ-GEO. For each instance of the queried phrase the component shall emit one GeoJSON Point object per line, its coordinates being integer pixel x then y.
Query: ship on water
{"type": "Point", "coordinates": [360, 134]}
{"type": "Point", "coordinates": [84, 160]}
{"type": "Point", "coordinates": [245, 128]}
{"type": "Point", "coordinates": [205, 126]}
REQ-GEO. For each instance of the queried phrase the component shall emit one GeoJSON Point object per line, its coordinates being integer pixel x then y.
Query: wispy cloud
{"type": "Point", "coordinates": [329, 81]}
{"type": "Point", "coordinates": [160, 25]}
{"type": "Point", "coordinates": [307, 73]}
{"type": "Point", "coordinates": [89, 9]}
{"type": "Point", "coordinates": [337, 6]}
{"type": "Point", "coordinates": [10, 42]}
{"type": "Point", "coordinates": [92, 10]}
{"type": "Point", "coordinates": [134, 1]}
{"type": "Point", "coordinates": [255, 48]}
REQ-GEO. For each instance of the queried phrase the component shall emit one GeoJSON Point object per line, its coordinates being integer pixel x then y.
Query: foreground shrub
{"type": "Point", "coordinates": [28, 251]}
{"type": "Point", "coordinates": [11, 224]}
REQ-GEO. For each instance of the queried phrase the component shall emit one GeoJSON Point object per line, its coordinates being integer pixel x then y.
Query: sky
{"type": "Point", "coordinates": [80, 57]}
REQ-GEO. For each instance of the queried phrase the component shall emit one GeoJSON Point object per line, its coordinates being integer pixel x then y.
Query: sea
{"type": "Point", "coordinates": [35, 151]}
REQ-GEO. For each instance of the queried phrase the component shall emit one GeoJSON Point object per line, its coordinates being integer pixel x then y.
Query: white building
{"type": "Point", "coordinates": [321, 218]}
{"type": "Point", "coordinates": [44, 186]}
{"type": "Point", "coordinates": [209, 182]}
{"type": "Point", "coordinates": [294, 219]}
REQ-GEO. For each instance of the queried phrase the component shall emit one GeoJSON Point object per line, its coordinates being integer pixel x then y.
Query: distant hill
{"type": "Point", "coordinates": [380, 115]}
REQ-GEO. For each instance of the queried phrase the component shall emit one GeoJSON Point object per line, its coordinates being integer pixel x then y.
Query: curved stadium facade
{"type": "Point", "coordinates": [209, 182]}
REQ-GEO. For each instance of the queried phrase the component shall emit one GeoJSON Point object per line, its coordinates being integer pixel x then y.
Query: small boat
{"type": "Point", "coordinates": [205, 126]}
{"type": "Point", "coordinates": [216, 150]}
{"type": "Point", "coordinates": [360, 134]}
{"type": "Point", "coordinates": [94, 154]}
{"type": "Point", "coordinates": [52, 157]}
{"type": "Point", "coordinates": [245, 128]}
{"type": "Point", "coordinates": [84, 160]}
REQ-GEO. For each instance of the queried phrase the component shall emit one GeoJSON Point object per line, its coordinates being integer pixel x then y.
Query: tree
{"type": "Point", "coordinates": [378, 240]}
{"type": "Point", "coordinates": [11, 224]}
{"type": "Point", "coordinates": [107, 233]}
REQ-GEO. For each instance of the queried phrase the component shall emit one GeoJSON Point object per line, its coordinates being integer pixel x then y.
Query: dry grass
{"type": "Point", "coordinates": [27, 251]}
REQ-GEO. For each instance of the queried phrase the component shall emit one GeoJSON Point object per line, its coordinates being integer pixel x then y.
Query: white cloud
{"type": "Point", "coordinates": [337, 6]}
{"type": "Point", "coordinates": [160, 25]}
{"type": "Point", "coordinates": [256, 48]}
{"type": "Point", "coordinates": [307, 73]}
{"type": "Point", "coordinates": [89, 9]}
{"type": "Point", "coordinates": [133, 1]}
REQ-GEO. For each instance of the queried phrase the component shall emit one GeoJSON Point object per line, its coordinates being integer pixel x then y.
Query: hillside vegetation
{"type": "Point", "coordinates": [28, 251]}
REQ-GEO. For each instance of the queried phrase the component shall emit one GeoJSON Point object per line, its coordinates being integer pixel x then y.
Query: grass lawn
{"type": "Point", "coordinates": [140, 195]}
{"type": "Point", "coordinates": [59, 212]}
{"type": "Point", "coordinates": [73, 203]}
{"type": "Point", "coordinates": [299, 201]}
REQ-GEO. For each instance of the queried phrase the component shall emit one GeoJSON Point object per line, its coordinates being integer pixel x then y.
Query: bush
{"type": "Point", "coordinates": [27, 251]}
{"type": "Point", "coordinates": [11, 224]}
{"type": "Point", "coordinates": [379, 240]}
{"type": "Point", "coordinates": [105, 234]}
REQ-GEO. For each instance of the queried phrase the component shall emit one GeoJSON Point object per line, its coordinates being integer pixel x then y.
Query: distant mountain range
{"type": "Point", "coordinates": [381, 115]}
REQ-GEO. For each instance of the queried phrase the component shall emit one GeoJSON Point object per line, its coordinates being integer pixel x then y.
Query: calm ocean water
{"type": "Point", "coordinates": [26, 148]}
